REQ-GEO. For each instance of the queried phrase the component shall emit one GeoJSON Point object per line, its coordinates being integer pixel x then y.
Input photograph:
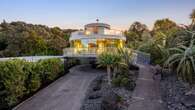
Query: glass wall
{"type": "Point", "coordinates": [97, 43]}
{"type": "Point", "coordinates": [89, 43]}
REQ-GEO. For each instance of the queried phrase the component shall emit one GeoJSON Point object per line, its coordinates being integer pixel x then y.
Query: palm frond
{"type": "Point", "coordinates": [172, 58]}
{"type": "Point", "coordinates": [176, 49]}
{"type": "Point", "coordinates": [180, 64]}
{"type": "Point", "coordinates": [193, 64]}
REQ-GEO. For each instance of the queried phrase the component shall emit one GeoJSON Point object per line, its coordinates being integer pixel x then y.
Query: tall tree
{"type": "Point", "coordinates": [138, 28]}
{"type": "Point", "coordinates": [134, 34]}
{"type": "Point", "coordinates": [21, 39]}
{"type": "Point", "coordinates": [164, 24]}
{"type": "Point", "coordinates": [164, 29]}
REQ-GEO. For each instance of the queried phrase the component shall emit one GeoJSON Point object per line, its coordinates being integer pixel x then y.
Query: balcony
{"type": "Point", "coordinates": [105, 34]}
{"type": "Point", "coordinates": [86, 52]}
{"type": "Point", "coordinates": [137, 56]}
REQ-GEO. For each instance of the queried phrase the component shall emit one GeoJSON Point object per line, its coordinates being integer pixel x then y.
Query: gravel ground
{"type": "Point", "coordinates": [99, 91]}
{"type": "Point", "coordinates": [174, 94]}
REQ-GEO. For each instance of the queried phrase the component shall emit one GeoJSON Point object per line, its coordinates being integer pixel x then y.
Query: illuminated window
{"type": "Point", "coordinates": [89, 43]}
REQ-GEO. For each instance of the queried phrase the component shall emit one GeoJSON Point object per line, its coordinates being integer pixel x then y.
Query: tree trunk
{"type": "Point", "coordinates": [109, 75]}
{"type": "Point", "coordinates": [115, 71]}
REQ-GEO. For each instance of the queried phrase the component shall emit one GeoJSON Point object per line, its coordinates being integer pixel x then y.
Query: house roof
{"type": "Point", "coordinates": [98, 25]}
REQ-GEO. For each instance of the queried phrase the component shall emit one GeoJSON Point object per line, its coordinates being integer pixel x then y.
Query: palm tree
{"type": "Point", "coordinates": [192, 16]}
{"type": "Point", "coordinates": [117, 64]}
{"type": "Point", "coordinates": [107, 59]}
{"type": "Point", "coordinates": [183, 58]}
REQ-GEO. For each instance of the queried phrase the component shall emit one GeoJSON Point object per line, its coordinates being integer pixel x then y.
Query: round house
{"type": "Point", "coordinates": [96, 37]}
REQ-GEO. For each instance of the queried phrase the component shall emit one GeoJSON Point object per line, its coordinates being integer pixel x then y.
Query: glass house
{"type": "Point", "coordinates": [96, 38]}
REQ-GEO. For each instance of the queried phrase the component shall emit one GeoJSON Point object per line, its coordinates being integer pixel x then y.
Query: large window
{"type": "Point", "coordinates": [97, 43]}
{"type": "Point", "coordinates": [111, 43]}
{"type": "Point", "coordinates": [89, 43]}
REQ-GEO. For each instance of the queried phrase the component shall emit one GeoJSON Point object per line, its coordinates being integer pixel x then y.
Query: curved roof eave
{"type": "Point", "coordinates": [97, 24]}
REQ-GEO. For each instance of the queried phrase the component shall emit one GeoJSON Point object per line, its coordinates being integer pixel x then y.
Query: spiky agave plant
{"type": "Point", "coordinates": [183, 58]}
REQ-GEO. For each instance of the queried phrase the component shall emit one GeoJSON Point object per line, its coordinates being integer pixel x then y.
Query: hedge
{"type": "Point", "coordinates": [49, 69]}
{"type": "Point", "coordinates": [19, 78]}
{"type": "Point", "coordinates": [12, 81]}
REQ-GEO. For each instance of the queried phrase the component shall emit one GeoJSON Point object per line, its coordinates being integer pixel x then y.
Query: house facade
{"type": "Point", "coordinates": [96, 38]}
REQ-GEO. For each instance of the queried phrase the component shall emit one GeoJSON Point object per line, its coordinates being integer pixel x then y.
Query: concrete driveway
{"type": "Point", "coordinates": [67, 93]}
{"type": "Point", "coordinates": [146, 95]}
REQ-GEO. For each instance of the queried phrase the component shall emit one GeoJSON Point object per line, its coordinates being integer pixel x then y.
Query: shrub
{"type": "Point", "coordinates": [32, 81]}
{"type": "Point", "coordinates": [124, 81]}
{"type": "Point", "coordinates": [116, 81]}
{"type": "Point", "coordinates": [50, 69]}
{"type": "Point", "coordinates": [12, 79]}
{"type": "Point", "coordinates": [129, 84]}
{"type": "Point", "coordinates": [19, 78]}
{"type": "Point", "coordinates": [182, 59]}
{"type": "Point", "coordinates": [158, 53]}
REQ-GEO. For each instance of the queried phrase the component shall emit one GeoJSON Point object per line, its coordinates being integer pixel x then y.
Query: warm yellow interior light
{"type": "Point", "coordinates": [121, 43]}
{"type": "Point", "coordinates": [87, 32]}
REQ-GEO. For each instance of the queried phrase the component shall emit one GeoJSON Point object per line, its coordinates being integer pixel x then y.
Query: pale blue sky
{"type": "Point", "coordinates": [76, 13]}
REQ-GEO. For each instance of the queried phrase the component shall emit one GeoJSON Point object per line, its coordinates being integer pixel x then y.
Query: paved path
{"type": "Point", "coordinates": [67, 93]}
{"type": "Point", "coordinates": [146, 95]}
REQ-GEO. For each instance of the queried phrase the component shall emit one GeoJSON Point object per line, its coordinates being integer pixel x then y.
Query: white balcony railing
{"type": "Point", "coordinates": [104, 32]}
{"type": "Point", "coordinates": [137, 56]}
{"type": "Point", "coordinates": [86, 51]}
{"type": "Point", "coordinates": [113, 32]}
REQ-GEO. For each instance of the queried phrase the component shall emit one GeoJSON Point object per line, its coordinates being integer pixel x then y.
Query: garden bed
{"type": "Point", "coordinates": [101, 96]}
{"type": "Point", "coordinates": [177, 94]}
